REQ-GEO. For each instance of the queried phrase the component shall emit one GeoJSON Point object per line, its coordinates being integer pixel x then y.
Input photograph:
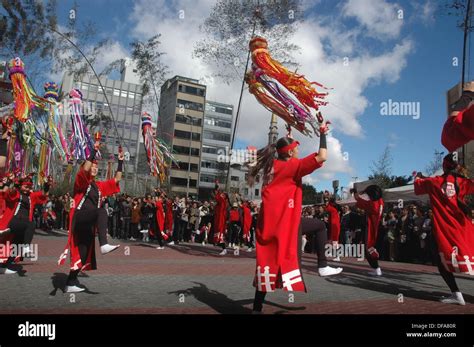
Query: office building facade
{"type": "Point", "coordinates": [216, 140]}
{"type": "Point", "coordinates": [126, 103]}
{"type": "Point", "coordinates": [180, 125]}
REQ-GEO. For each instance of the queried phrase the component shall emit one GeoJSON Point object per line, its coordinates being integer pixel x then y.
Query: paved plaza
{"type": "Point", "coordinates": [193, 278]}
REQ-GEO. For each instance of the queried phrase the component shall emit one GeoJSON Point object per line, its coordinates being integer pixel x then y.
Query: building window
{"type": "Point", "coordinates": [210, 135]}
{"type": "Point", "coordinates": [217, 122]}
{"type": "Point", "coordinates": [209, 149]}
{"type": "Point", "coordinates": [123, 94]}
{"type": "Point", "coordinates": [131, 95]}
{"type": "Point", "coordinates": [191, 90]}
{"type": "Point", "coordinates": [185, 167]}
{"type": "Point", "coordinates": [234, 178]}
{"type": "Point", "coordinates": [207, 178]}
{"type": "Point", "coordinates": [186, 134]}
{"type": "Point", "coordinates": [185, 120]}
{"type": "Point", "coordinates": [209, 164]}
{"type": "Point", "coordinates": [257, 191]}
{"type": "Point", "coordinates": [116, 92]}
{"type": "Point", "coordinates": [183, 182]}
{"type": "Point", "coordinates": [190, 105]}
{"type": "Point", "coordinates": [246, 191]}
{"type": "Point", "coordinates": [185, 150]}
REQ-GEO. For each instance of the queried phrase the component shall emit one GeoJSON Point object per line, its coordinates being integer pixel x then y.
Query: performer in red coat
{"type": "Point", "coordinates": [459, 127]}
{"type": "Point", "coordinates": [278, 227]}
{"type": "Point", "coordinates": [453, 231]}
{"type": "Point", "coordinates": [220, 214]}
{"type": "Point", "coordinates": [20, 204]}
{"type": "Point", "coordinates": [86, 216]}
{"type": "Point", "coordinates": [374, 210]}
{"type": "Point", "coordinates": [169, 217]}
{"type": "Point", "coordinates": [334, 221]}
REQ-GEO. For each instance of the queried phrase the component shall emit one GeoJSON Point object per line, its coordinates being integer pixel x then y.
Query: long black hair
{"type": "Point", "coordinates": [374, 192]}
{"type": "Point", "coordinates": [265, 157]}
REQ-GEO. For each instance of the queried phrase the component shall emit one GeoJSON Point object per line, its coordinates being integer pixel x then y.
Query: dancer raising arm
{"type": "Point", "coordinates": [278, 227]}
{"type": "Point", "coordinates": [453, 231]}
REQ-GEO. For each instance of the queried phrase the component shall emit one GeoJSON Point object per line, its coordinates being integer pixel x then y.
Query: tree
{"type": "Point", "coordinates": [310, 195]}
{"type": "Point", "coordinates": [151, 69]}
{"type": "Point", "coordinates": [382, 169]}
{"type": "Point", "coordinates": [229, 29]}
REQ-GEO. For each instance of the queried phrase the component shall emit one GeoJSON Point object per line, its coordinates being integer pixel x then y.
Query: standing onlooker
{"type": "Point", "coordinates": [135, 220]}
{"type": "Point", "coordinates": [67, 207]}
{"type": "Point", "coordinates": [391, 236]}
{"type": "Point", "coordinates": [347, 224]}
{"type": "Point", "coordinates": [125, 215]}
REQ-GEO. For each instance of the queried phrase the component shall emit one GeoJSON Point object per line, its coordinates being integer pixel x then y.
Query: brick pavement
{"type": "Point", "coordinates": [192, 278]}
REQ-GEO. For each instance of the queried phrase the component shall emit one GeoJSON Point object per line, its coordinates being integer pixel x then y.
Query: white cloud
{"type": "Point", "coordinates": [323, 48]}
{"type": "Point", "coordinates": [380, 18]}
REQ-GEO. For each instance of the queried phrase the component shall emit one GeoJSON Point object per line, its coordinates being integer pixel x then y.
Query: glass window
{"type": "Point", "coordinates": [207, 178]}
{"type": "Point", "coordinates": [123, 94]}
{"type": "Point", "coordinates": [257, 191]}
{"type": "Point", "coordinates": [131, 95]}
{"type": "Point", "coordinates": [216, 136]}
{"type": "Point", "coordinates": [190, 105]}
{"type": "Point", "coordinates": [116, 92]}
{"type": "Point", "coordinates": [234, 178]}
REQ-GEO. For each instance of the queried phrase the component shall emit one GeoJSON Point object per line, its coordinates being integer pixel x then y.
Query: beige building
{"type": "Point", "coordinates": [466, 153]}
{"type": "Point", "coordinates": [180, 124]}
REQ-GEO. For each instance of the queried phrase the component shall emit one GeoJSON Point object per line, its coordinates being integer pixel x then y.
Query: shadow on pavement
{"type": "Point", "coordinates": [58, 281]}
{"type": "Point", "coordinates": [351, 277]}
{"type": "Point", "coordinates": [199, 250]}
{"type": "Point", "coordinates": [221, 303]}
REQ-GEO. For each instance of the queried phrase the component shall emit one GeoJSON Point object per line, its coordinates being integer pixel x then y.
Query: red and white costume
{"type": "Point", "coordinates": [458, 130]}
{"type": "Point", "coordinates": [278, 223]}
{"type": "Point", "coordinates": [374, 211]}
{"type": "Point", "coordinates": [81, 188]}
{"type": "Point", "coordinates": [220, 215]}
{"type": "Point", "coordinates": [247, 221]}
{"type": "Point", "coordinates": [334, 222]}
{"type": "Point", "coordinates": [452, 229]}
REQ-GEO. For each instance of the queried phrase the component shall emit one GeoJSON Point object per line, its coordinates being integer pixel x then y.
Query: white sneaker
{"type": "Point", "coordinates": [376, 272]}
{"type": "Point", "coordinates": [337, 259]}
{"type": "Point", "coordinates": [360, 259]}
{"type": "Point", "coordinates": [160, 247]}
{"type": "Point", "coordinates": [132, 239]}
{"type": "Point", "coordinates": [108, 248]}
{"type": "Point", "coordinates": [6, 271]}
{"type": "Point", "coordinates": [73, 289]}
{"type": "Point", "coordinates": [171, 243]}
{"type": "Point", "coordinates": [250, 249]}
{"type": "Point", "coordinates": [455, 298]}
{"type": "Point", "coordinates": [329, 271]}
{"type": "Point", "coordinates": [203, 243]}
{"type": "Point", "coordinates": [236, 252]}
{"type": "Point", "coordinates": [224, 252]}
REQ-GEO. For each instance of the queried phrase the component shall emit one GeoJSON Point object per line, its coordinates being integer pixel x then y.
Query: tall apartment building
{"type": "Point", "coordinates": [126, 102]}
{"type": "Point", "coordinates": [6, 88]}
{"type": "Point", "coordinates": [465, 153]}
{"type": "Point", "coordinates": [180, 124]}
{"type": "Point", "coordinates": [217, 134]}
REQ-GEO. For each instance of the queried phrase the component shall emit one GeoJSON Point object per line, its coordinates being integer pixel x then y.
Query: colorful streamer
{"type": "Point", "coordinates": [25, 98]}
{"type": "Point", "coordinates": [156, 150]}
{"type": "Point", "coordinates": [81, 140]}
{"type": "Point", "coordinates": [289, 95]}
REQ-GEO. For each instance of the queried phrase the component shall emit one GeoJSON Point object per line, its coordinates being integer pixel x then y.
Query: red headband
{"type": "Point", "coordinates": [288, 148]}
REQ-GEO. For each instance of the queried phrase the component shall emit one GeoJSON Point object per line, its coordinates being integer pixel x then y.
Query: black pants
{"type": "Point", "coordinates": [234, 230]}
{"type": "Point", "coordinates": [448, 276]}
{"type": "Point", "coordinates": [66, 220]}
{"type": "Point", "coordinates": [126, 228]}
{"type": "Point", "coordinates": [86, 220]}
{"type": "Point", "coordinates": [84, 223]}
{"type": "Point", "coordinates": [134, 230]}
{"type": "Point", "coordinates": [317, 229]}
{"type": "Point", "coordinates": [374, 263]}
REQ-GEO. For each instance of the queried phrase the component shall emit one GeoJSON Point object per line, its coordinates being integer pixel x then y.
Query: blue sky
{"type": "Point", "coordinates": [425, 76]}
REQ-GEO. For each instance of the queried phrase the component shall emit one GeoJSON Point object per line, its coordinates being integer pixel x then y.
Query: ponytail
{"type": "Point", "coordinates": [265, 157]}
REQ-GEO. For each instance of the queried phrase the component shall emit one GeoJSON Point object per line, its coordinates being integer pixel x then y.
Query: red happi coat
{"type": "Point", "coordinates": [160, 216]}
{"type": "Point", "coordinates": [334, 222]}
{"type": "Point", "coordinates": [452, 229]}
{"type": "Point", "coordinates": [374, 211]}
{"type": "Point", "coordinates": [277, 233]}
{"type": "Point", "coordinates": [169, 216]}
{"type": "Point", "coordinates": [12, 199]}
{"type": "Point", "coordinates": [81, 184]}
{"type": "Point", "coordinates": [220, 211]}
{"type": "Point", "coordinates": [455, 131]}
{"type": "Point", "coordinates": [247, 222]}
